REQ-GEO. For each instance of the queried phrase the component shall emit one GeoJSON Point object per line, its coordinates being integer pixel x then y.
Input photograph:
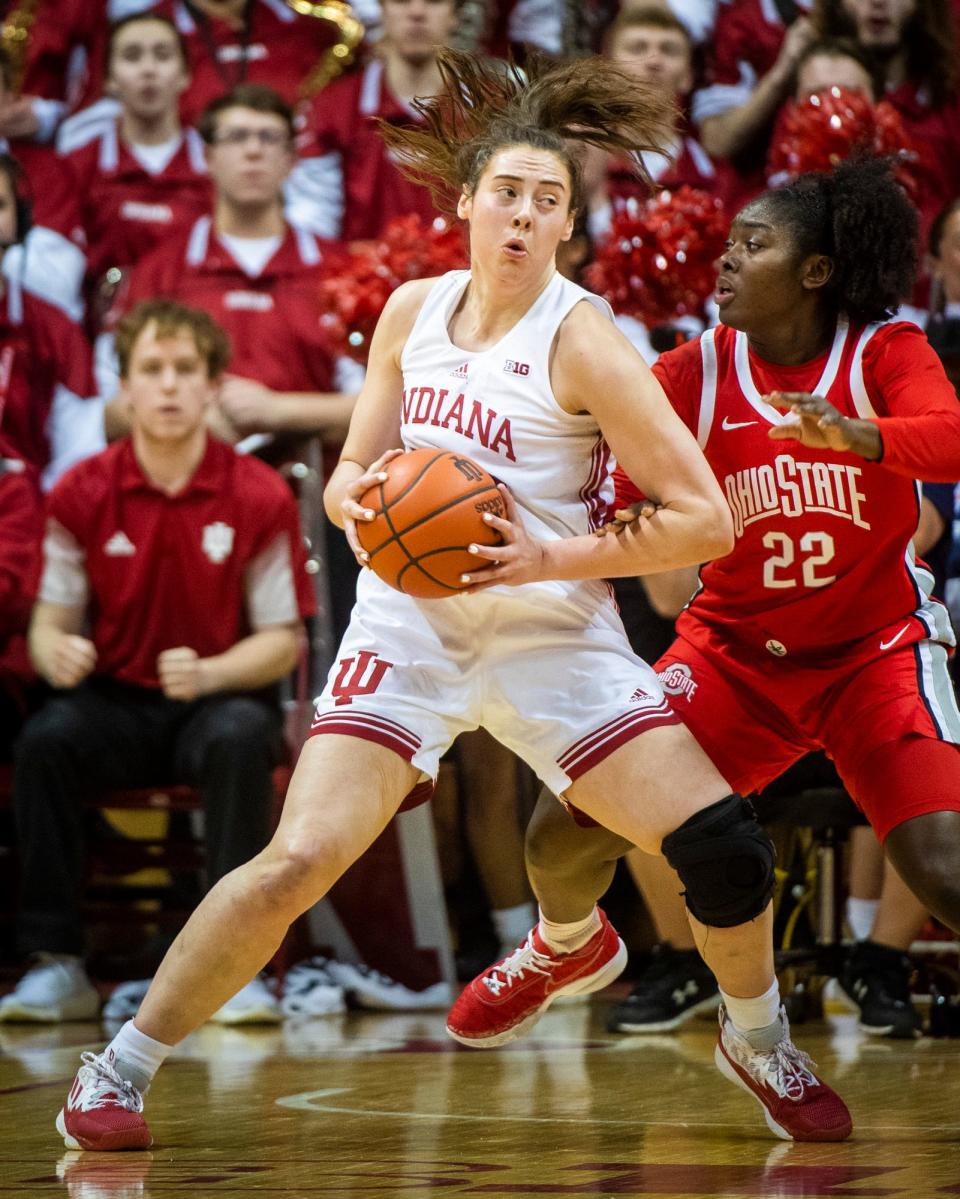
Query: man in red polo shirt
{"type": "Point", "coordinates": [141, 177]}
{"type": "Point", "coordinates": [172, 598]}
{"type": "Point", "coordinates": [345, 184]}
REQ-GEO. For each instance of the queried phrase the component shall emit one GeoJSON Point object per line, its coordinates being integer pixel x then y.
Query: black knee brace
{"type": "Point", "coordinates": [725, 861]}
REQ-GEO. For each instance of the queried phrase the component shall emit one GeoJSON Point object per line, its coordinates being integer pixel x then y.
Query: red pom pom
{"type": "Point", "coordinates": [354, 295]}
{"type": "Point", "coordinates": [657, 262]}
{"type": "Point", "coordinates": [820, 131]}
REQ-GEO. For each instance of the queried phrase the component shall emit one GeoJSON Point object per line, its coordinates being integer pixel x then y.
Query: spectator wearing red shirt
{"type": "Point", "coordinates": [140, 177]}
{"type": "Point", "coordinates": [914, 46]}
{"type": "Point", "coordinates": [49, 415]}
{"type": "Point", "coordinates": [172, 598]}
{"type": "Point", "coordinates": [346, 184]}
{"type": "Point", "coordinates": [654, 46]}
{"type": "Point", "coordinates": [255, 274]}
{"type": "Point", "coordinates": [232, 42]}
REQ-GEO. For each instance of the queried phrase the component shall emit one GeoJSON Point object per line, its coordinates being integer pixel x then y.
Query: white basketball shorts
{"type": "Point", "coordinates": [553, 680]}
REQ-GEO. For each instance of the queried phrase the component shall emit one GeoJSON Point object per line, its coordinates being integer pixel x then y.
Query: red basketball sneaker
{"type": "Point", "coordinates": [102, 1110]}
{"type": "Point", "coordinates": [511, 996]}
{"type": "Point", "coordinates": [797, 1105]}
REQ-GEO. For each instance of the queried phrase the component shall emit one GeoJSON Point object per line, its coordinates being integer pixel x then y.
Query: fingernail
{"type": "Point", "coordinates": [471, 549]}
{"type": "Point", "coordinates": [487, 517]}
{"type": "Point", "coordinates": [365, 556]}
{"type": "Point", "coordinates": [382, 476]}
{"type": "Point", "coordinates": [368, 514]}
{"type": "Point", "coordinates": [464, 578]}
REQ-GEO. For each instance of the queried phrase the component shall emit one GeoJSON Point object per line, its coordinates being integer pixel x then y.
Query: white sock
{"type": "Point", "coordinates": [861, 914]}
{"type": "Point", "coordinates": [513, 924]}
{"type": "Point", "coordinates": [758, 1015]}
{"type": "Point", "coordinates": [568, 938]}
{"type": "Point", "coordinates": [135, 1056]}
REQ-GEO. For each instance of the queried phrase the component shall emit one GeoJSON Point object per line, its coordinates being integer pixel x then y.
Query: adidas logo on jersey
{"type": "Point", "coordinates": [461, 371]}
{"type": "Point", "coordinates": [119, 546]}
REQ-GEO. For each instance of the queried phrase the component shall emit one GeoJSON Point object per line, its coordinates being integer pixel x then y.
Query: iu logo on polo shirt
{"type": "Point", "coordinates": [217, 541]}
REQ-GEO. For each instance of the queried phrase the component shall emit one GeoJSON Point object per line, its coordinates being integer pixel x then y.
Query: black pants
{"type": "Point", "coordinates": [108, 735]}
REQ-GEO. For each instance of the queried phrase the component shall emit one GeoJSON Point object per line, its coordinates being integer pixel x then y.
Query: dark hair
{"type": "Point", "coordinates": [929, 39]}
{"type": "Point", "coordinates": [938, 228]}
{"type": "Point", "coordinates": [171, 318]}
{"type": "Point", "coordinates": [245, 95]}
{"type": "Point", "coordinates": [6, 69]}
{"type": "Point", "coordinates": [648, 16]}
{"type": "Point", "coordinates": [484, 106]}
{"type": "Point", "coordinates": [860, 217]}
{"type": "Point", "coordinates": [132, 19]}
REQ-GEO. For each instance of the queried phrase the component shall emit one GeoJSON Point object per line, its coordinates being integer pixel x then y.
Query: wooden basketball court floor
{"type": "Point", "coordinates": [369, 1106]}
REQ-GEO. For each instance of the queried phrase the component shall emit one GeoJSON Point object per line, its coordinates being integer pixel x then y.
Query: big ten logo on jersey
{"type": "Point", "coordinates": [791, 489]}
{"type": "Point", "coordinates": [475, 421]}
{"type": "Point", "coordinates": [357, 676]}
{"type": "Point", "coordinates": [516, 368]}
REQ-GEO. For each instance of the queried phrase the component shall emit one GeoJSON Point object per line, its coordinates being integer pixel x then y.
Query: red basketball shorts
{"type": "Point", "coordinates": [754, 717]}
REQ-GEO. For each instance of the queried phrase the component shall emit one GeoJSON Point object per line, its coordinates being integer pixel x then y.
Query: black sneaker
{"type": "Point", "coordinates": [877, 979]}
{"type": "Point", "coordinates": [675, 986]}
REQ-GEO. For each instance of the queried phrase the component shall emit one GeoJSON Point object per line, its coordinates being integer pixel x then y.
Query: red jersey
{"type": "Point", "coordinates": [272, 318]}
{"type": "Point", "coordinates": [276, 47]}
{"type": "Point", "coordinates": [822, 555]}
{"type": "Point", "coordinates": [202, 568]}
{"type": "Point", "coordinates": [45, 367]}
{"type": "Point", "coordinates": [125, 209]}
{"type": "Point", "coordinates": [340, 148]}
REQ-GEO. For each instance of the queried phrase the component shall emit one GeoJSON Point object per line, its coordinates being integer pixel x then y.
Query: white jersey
{"type": "Point", "coordinates": [497, 406]}
{"type": "Point", "coordinates": [545, 667]}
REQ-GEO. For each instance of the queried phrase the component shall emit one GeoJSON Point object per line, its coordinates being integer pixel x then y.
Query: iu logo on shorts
{"type": "Point", "coordinates": [361, 675]}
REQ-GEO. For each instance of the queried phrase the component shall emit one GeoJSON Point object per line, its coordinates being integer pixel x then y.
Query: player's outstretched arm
{"type": "Point", "coordinates": [595, 369]}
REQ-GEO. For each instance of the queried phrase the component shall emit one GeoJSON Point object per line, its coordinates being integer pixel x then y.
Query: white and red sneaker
{"type": "Point", "coordinates": [102, 1110]}
{"type": "Point", "coordinates": [509, 997]}
{"type": "Point", "coordinates": [797, 1105]}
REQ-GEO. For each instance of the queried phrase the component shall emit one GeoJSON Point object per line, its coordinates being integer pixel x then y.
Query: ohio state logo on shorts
{"type": "Point", "coordinates": [677, 679]}
{"type": "Point", "coordinates": [360, 675]}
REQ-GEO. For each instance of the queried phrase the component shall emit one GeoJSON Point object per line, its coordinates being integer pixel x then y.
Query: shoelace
{"type": "Point", "coordinates": [521, 960]}
{"type": "Point", "coordinates": [792, 1068]}
{"type": "Point", "coordinates": [106, 1086]}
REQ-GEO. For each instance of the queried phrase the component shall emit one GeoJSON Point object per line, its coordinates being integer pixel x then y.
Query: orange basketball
{"type": "Point", "coordinates": [428, 510]}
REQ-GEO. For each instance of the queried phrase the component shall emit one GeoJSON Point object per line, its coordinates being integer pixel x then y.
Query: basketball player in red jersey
{"type": "Point", "coordinates": [816, 414]}
{"type": "Point", "coordinates": [543, 662]}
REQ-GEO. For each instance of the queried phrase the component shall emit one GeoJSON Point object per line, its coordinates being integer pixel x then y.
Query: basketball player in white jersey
{"type": "Point", "coordinates": [521, 370]}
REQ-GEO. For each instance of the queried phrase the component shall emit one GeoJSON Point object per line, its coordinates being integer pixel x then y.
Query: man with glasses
{"type": "Point", "coordinates": [256, 274]}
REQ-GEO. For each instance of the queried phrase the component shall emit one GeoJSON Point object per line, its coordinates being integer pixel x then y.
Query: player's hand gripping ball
{"type": "Point", "coordinates": [429, 509]}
